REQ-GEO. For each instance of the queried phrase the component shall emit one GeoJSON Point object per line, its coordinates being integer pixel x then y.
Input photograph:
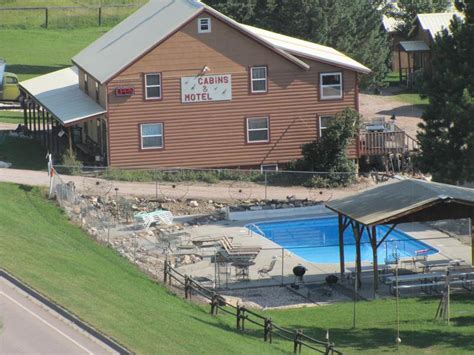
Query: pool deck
{"type": "Point", "coordinates": [450, 248]}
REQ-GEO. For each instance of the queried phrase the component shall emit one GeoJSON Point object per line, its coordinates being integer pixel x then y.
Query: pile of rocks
{"type": "Point", "coordinates": [257, 205]}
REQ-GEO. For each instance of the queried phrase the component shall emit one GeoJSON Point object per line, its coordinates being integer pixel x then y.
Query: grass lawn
{"type": "Point", "coordinates": [23, 153]}
{"type": "Point", "coordinates": [15, 117]}
{"type": "Point", "coordinates": [405, 95]}
{"type": "Point", "coordinates": [94, 282]}
{"type": "Point", "coordinates": [34, 52]}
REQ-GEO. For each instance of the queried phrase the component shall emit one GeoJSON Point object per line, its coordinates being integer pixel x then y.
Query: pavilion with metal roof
{"type": "Point", "coordinates": [390, 204]}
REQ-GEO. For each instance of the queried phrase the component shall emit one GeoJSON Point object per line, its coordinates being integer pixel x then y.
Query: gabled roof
{"type": "Point", "coordinates": [309, 50]}
{"type": "Point", "coordinates": [60, 94]}
{"type": "Point", "coordinates": [387, 202]}
{"type": "Point", "coordinates": [435, 22]}
{"type": "Point", "coordinates": [158, 19]}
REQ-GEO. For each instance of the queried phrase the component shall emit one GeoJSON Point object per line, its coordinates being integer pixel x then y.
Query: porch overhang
{"type": "Point", "coordinates": [59, 93]}
{"type": "Point", "coordinates": [414, 46]}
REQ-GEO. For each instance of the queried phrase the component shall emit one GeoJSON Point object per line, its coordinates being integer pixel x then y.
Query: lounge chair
{"type": "Point", "coordinates": [239, 252]}
{"type": "Point", "coordinates": [146, 219]}
{"type": "Point", "coordinates": [264, 272]}
{"type": "Point", "coordinates": [208, 241]}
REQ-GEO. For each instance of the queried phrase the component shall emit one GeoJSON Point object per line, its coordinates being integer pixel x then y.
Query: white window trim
{"type": "Point", "coordinates": [154, 135]}
{"type": "Point", "coordinates": [209, 30]}
{"type": "Point", "coordinates": [258, 129]}
{"type": "Point", "coordinates": [321, 86]}
{"type": "Point", "coordinates": [321, 129]}
{"type": "Point", "coordinates": [153, 86]}
{"type": "Point", "coordinates": [267, 168]}
{"type": "Point", "coordinates": [252, 80]}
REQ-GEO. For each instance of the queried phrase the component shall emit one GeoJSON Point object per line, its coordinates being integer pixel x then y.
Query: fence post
{"type": "Point", "coordinates": [214, 304]}
{"type": "Point", "coordinates": [238, 317]}
{"type": "Point", "coordinates": [268, 330]}
{"type": "Point", "coordinates": [186, 286]}
{"type": "Point", "coordinates": [46, 17]}
{"type": "Point", "coordinates": [165, 272]}
{"type": "Point", "coordinates": [100, 16]}
{"type": "Point", "coordinates": [266, 184]}
{"type": "Point", "coordinates": [242, 325]}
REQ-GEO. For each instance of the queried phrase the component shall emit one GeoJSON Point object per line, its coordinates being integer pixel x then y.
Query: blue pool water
{"type": "Point", "coordinates": [317, 240]}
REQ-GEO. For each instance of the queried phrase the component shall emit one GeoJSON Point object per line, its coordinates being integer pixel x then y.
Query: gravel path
{"type": "Point", "coordinates": [221, 191]}
{"type": "Point", "coordinates": [408, 116]}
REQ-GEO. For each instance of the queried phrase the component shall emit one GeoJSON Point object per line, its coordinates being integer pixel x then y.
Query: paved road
{"type": "Point", "coordinates": [28, 327]}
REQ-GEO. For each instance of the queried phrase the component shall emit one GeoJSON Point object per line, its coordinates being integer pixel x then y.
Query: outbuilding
{"type": "Point", "coordinates": [178, 84]}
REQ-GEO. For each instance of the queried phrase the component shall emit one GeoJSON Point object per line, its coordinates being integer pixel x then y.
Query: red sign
{"type": "Point", "coordinates": [124, 91]}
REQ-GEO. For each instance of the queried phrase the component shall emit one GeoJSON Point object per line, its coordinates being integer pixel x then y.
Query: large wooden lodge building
{"type": "Point", "coordinates": [178, 84]}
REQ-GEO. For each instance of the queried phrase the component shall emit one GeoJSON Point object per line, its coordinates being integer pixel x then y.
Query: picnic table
{"type": "Point", "coordinates": [430, 282]}
{"type": "Point", "coordinates": [242, 269]}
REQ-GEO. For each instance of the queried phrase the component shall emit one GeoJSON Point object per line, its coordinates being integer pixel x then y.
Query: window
{"type": "Point", "coordinates": [86, 83]}
{"type": "Point", "coordinates": [268, 167]}
{"type": "Point", "coordinates": [324, 122]}
{"type": "Point", "coordinates": [331, 86]}
{"type": "Point", "coordinates": [11, 80]}
{"type": "Point", "coordinates": [258, 130]}
{"type": "Point", "coordinates": [151, 135]}
{"type": "Point", "coordinates": [152, 86]}
{"type": "Point", "coordinates": [258, 79]}
{"type": "Point", "coordinates": [204, 25]}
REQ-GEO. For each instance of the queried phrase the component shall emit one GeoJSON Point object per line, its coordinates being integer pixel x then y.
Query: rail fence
{"type": "Point", "coordinates": [64, 16]}
{"type": "Point", "coordinates": [243, 315]}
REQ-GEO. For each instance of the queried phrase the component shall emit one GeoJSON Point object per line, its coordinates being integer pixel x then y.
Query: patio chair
{"type": "Point", "coordinates": [266, 270]}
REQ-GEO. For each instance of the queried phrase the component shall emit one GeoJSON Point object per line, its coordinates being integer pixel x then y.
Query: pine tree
{"type": "Point", "coordinates": [407, 10]}
{"type": "Point", "coordinates": [351, 26]}
{"type": "Point", "coordinates": [447, 137]}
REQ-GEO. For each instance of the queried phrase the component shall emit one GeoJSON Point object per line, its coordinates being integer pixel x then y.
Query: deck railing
{"type": "Point", "coordinates": [381, 143]}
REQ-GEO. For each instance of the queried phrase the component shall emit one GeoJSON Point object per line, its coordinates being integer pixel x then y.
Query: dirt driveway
{"type": "Point", "coordinates": [407, 116]}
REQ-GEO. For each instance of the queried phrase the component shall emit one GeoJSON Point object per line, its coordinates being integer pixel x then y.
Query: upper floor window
{"type": "Point", "coordinates": [153, 86]}
{"type": "Point", "coordinates": [331, 86]}
{"type": "Point", "coordinates": [324, 122]}
{"type": "Point", "coordinates": [258, 79]}
{"type": "Point", "coordinates": [86, 83]}
{"type": "Point", "coordinates": [204, 25]}
{"type": "Point", "coordinates": [258, 130]}
{"type": "Point", "coordinates": [151, 135]}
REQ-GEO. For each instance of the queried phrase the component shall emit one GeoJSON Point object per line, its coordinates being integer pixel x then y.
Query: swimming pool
{"type": "Point", "coordinates": [317, 240]}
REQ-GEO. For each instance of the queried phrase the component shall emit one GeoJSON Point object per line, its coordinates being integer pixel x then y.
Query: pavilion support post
{"type": "Point", "coordinates": [69, 135]}
{"type": "Point", "coordinates": [409, 67]}
{"type": "Point", "coordinates": [43, 133]}
{"type": "Point", "coordinates": [51, 138]}
{"type": "Point", "coordinates": [400, 63]}
{"type": "Point", "coordinates": [30, 106]}
{"type": "Point", "coordinates": [48, 132]}
{"type": "Point", "coordinates": [373, 241]}
{"type": "Point", "coordinates": [471, 225]}
{"type": "Point", "coordinates": [357, 235]}
{"type": "Point", "coordinates": [341, 245]}
{"type": "Point", "coordinates": [25, 112]}
{"type": "Point", "coordinates": [35, 111]}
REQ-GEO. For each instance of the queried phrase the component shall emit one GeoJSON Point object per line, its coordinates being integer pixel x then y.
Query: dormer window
{"type": "Point", "coordinates": [204, 25]}
{"type": "Point", "coordinates": [86, 83]}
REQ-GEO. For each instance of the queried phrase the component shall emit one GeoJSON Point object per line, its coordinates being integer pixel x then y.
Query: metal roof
{"type": "Point", "coordinates": [390, 201]}
{"type": "Point", "coordinates": [60, 94]}
{"type": "Point", "coordinates": [158, 19]}
{"type": "Point", "coordinates": [414, 46]}
{"type": "Point", "coordinates": [435, 22]}
{"type": "Point", "coordinates": [309, 50]}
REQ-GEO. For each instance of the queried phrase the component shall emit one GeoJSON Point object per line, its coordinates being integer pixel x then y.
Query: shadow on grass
{"type": "Point", "coordinates": [23, 153]}
{"type": "Point", "coordinates": [405, 110]}
{"type": "Point", "coordinates": [253, 333]}
{"type": "Point", "coordinates": [24, 69]}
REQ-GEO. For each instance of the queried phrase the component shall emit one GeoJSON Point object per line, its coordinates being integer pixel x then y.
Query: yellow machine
{"type": "Point", "coordinates": [9, 89]}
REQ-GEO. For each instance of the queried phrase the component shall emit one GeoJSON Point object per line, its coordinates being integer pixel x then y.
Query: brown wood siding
{"type": "Point", "coordinates": [213, 134]}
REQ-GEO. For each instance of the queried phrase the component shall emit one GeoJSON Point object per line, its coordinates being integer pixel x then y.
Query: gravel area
{"type": "Point", "coordinates": [407, 116]}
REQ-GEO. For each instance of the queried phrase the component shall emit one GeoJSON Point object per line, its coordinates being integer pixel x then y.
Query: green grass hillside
{"type": "Point", "coordinates": [40, 246]}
